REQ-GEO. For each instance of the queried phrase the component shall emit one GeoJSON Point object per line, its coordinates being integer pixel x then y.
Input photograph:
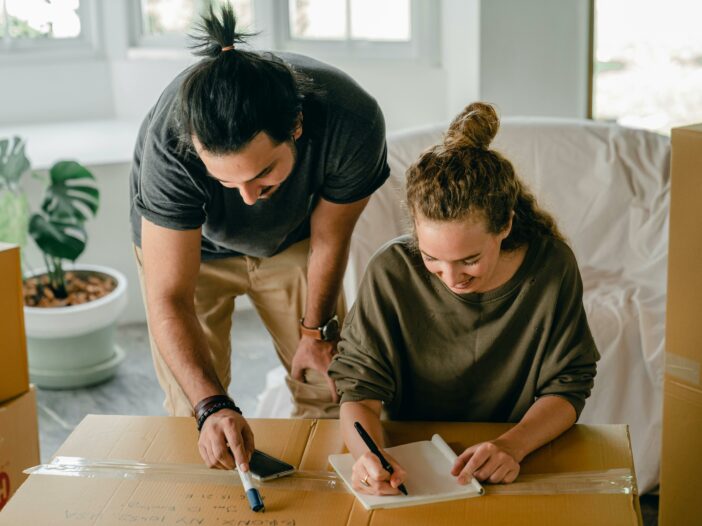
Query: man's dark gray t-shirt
{"type": "Point", "coordinates": [341, 157]}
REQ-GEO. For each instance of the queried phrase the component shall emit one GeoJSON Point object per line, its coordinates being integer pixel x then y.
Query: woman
{"type": "Point", "coordinates": [477, 316]}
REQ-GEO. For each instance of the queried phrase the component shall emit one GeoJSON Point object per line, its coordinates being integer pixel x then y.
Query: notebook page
{"type": "Point", "coordinates": [428, 465]}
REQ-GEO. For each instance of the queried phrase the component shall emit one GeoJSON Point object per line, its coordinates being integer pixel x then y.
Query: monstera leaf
{"type": "Point", "coordinates": [58, 229]}
{"type": "Point", "coordinates": [13, 161]}
{"type": "Point", "coordinates": [66, 201]}
{"type": "Point", "coordinates": [14, 216]}
{"type": "Point", "coordinates": [60, 240]}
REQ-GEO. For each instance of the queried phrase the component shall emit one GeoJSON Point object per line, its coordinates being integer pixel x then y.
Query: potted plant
{"type": "Point", "coordinates": [70, 309]}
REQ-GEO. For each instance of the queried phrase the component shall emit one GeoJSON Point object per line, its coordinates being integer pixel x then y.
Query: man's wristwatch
{"type": "Point", "coordinates": [326, 333]}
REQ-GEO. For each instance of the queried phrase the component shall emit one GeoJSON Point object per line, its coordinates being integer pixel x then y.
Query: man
{"type": "Point", "coordinates": [248, 178]}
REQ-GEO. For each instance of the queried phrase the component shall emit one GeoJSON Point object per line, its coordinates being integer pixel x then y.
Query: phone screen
{"type": "Point", "coordinates": [265, 467]}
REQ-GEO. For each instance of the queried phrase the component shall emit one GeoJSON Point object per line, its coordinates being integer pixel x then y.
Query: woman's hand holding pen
{"type": "Point", "coordinates": [368, 475]}
{"type": "Point", "coordinates": [487, 461]}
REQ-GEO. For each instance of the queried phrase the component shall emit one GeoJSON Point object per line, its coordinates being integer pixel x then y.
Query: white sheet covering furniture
{"type": "Point", "coordinates": [608, 188]}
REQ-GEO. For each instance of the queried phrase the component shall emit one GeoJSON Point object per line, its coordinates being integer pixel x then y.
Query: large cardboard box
{"type": "Point", "coordinates": [681, 457]}
{"type": "Point", "coordinates": [19, 442]}
{"type": "Point", "coordinates": [150, 472]}
{"type": "Point", "coordinates": [14, 374]}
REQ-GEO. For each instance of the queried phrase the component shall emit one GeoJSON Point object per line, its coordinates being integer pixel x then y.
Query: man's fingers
{"type": "Point", "coordinates": [248, 437]}
{"type": "Point", "coordinates": [297, 371]}
{"type": "Point", "coordinates": [237, 443]}
{"type": "Point", "coordinates": [241, 457]}
{"type": "Point", "coordinates": [205, 454]}
{"type": "Point", "coordinates": [221, 453]}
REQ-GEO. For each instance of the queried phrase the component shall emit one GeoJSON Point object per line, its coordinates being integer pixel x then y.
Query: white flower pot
{"type": "Point", "coordinates": [74, 346]}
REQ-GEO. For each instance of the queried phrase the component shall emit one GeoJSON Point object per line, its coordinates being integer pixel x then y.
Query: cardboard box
{"type": "Point", "coordinates": [19, 442]}
{"type": "Point", "coordinates": [14, 374]}
{"type": "Point", "coordinates": [681, 458]}
{"type": "Point", "coordinates": [187, 499]}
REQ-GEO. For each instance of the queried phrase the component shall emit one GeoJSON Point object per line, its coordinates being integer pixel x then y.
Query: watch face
{"type": "Point", "coordinates": [331, 330]}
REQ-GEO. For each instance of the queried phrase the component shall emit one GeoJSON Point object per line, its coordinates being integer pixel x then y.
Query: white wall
{"type": "Point", "coordinates": [534, 56]}
{"type": "Point", "coordinates": [59, 90]}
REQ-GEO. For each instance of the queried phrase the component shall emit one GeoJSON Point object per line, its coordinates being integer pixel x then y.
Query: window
{"type": "Point", "coordinates": [44, 24]}
{"type": "Point", "coordinates": [386, 20]}
{"type": "Point", "coordinates": [648, 63]}
{"type": "Point", "coordinates": [360, 28]}
{"type": "Point", "coordinates": [167, 22]}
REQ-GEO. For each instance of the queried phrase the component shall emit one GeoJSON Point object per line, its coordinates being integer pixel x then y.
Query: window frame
{"type": "Point", "coordinates": [139, 41]}
{"type": "Point", "coordinates": [273, 15]}
{"type": "Point", "coordinates": [87, 44]}
{"type": "Point", "coordinates": [422, 46]}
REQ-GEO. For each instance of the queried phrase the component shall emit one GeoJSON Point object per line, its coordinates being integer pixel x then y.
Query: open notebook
{"type": "Point", "coordinates": [428, 465]}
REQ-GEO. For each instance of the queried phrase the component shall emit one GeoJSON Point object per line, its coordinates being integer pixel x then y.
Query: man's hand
{"type": "Point", "coordinates": [226, 433]}
{"type": "Point", "coordinates": [368, 475]}
{"type": "Point", "coordinates": [488, 461]}
{"type": "Point", "coordinates": [317, 355]}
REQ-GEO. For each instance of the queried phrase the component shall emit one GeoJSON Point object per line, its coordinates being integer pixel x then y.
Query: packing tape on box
{"type": "Point", "coordinates": [611, 481]}
{"type": "Point", "coordinates": [682, 368]}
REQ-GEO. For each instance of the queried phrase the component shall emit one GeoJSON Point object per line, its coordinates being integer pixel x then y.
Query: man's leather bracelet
{"type": "Point", "coordinates": [210, 405]}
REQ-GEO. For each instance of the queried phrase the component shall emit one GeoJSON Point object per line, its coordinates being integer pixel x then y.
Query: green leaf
{"type": "Point", "coordinates": [59, 239]}
{"type": "Point", "coordinates": [13, 161]}
{"type": "Point", "coordinates": [14, 216]}
{"type": "Point", "coordinates": [66, 202]}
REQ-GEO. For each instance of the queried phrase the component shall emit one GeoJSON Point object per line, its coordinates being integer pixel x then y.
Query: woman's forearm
{"type": "Point", "coordinates": [548, 418]}
{"type": "Point", "coordinates": [367, 412]}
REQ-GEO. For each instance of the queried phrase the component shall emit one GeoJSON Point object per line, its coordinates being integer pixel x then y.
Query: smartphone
{"type": "Point", "coordinates": [266, 467]}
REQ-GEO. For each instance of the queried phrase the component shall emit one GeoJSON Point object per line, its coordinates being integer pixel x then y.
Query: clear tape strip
{"type": "Point", "coordinates": [612, 481]}
{"type": "Point", "coordinates": [682, 368]}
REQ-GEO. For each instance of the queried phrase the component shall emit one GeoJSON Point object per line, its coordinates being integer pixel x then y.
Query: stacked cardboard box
{"type": "Point", "coordinates": [149, 471]}
{"type": "Point", "coordinates": [14, 373]}
{"type": "Point", "coordinates": [19, 440]}
{"type": "Point", "coordinates": [681, 459]}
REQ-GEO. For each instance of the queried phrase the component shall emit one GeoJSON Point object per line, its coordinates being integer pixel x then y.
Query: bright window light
{"type": "Point", "coordinates": [380, 20]}
{"type": "Point", "coordinates": [648, 63]}
{"type": "Point", "coordinates": [35, 19]}
{"type": "Point", "coordinates": [376, 20]}
{"type": "Point", "coordinates": [169, 17]}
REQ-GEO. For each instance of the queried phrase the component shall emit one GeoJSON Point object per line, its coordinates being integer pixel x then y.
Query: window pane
{"type": "Point", "coordinates": [43, 18]}
{"type": "Point", "coordinates": [168, 16]}
{"type": "Point", "coordinates": [178, 16]}
{"type": "Point", "coordinates": [648, 70]}
{"type": "Point", "coordinates": [380, 20]}
{"type": "Point", "coordinates": [318, 19]}
{"type": "Point", "coordinates": [244, 13]}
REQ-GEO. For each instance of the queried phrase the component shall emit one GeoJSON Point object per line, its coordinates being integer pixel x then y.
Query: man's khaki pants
{"type": "Point", "coordinates": [277, 287]}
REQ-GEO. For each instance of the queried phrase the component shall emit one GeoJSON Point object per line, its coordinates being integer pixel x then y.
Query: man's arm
{"type": "Point", "coordinates": [171, 261]}
{"type": "Point", "coordinates": [331, 226]}
{"type": "Point", "coordinates": [330, 238]}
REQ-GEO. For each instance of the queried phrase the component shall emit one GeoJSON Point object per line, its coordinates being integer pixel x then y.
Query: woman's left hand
{"type": "Point", "coordinates": [487, 461]}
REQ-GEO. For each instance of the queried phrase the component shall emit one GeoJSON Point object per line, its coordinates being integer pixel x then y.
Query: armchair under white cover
{"type": "Point", "coordinates": [608, 187]}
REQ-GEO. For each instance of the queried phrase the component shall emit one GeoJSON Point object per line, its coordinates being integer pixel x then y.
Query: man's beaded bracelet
{"type": "Point", "coordinates": [211, 405]}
